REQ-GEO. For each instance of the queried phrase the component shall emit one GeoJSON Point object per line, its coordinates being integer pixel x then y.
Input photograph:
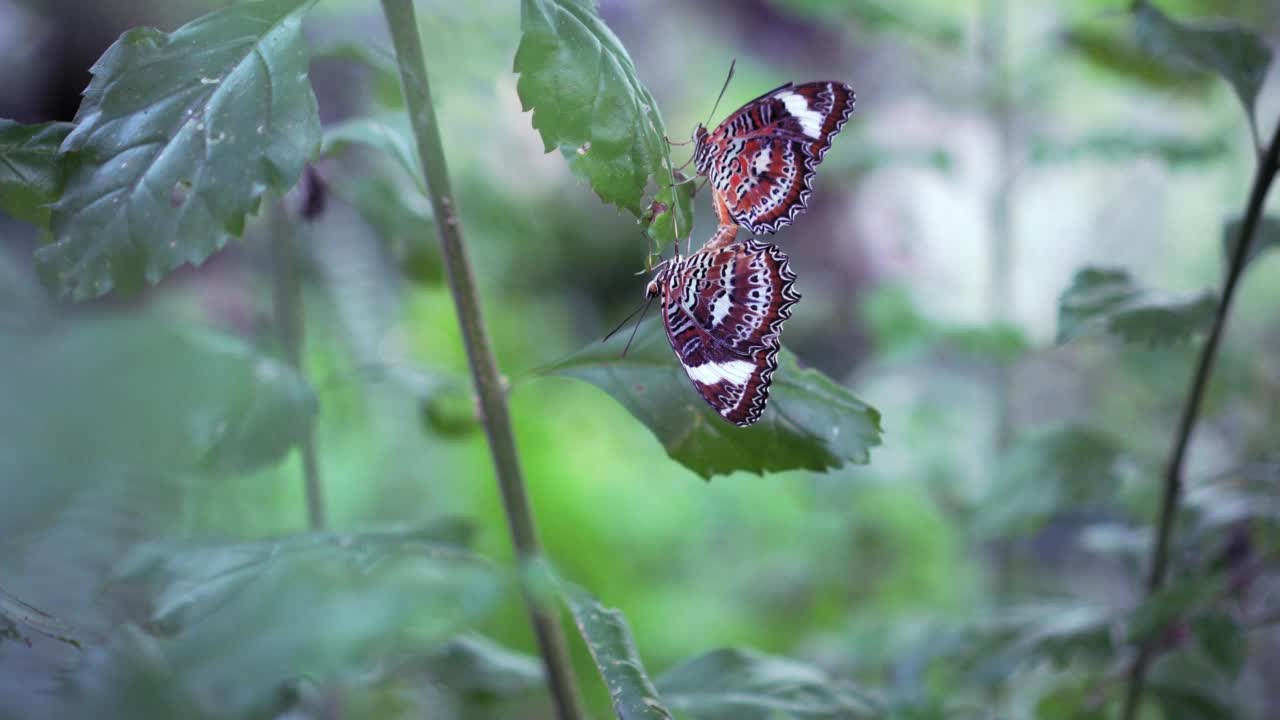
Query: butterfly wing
{"type": "Point", "coordinates": [766, 154]}
{"type": "Point", "coordinates": [724, 319]}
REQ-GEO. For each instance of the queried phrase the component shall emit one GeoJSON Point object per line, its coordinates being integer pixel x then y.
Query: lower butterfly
{"type": "Point", "coordinates": [723, 309]}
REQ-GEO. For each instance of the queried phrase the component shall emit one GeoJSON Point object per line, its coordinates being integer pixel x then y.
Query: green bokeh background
{"type": "Point", "coordinates": [957, 515]}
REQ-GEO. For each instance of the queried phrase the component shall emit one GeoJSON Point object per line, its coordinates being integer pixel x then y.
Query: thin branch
{"type": "Point", "coordinates": [1263, 176]}
{"type": "Point", "coordinates": [484, 370]}
{"type": "Point", "coordinates": [286, 295]}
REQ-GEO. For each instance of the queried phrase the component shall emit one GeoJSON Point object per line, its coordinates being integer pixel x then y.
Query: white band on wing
{"type": "Point", "coordinates": [798, 105]}
{"type": "Point", "coordinates": [737, 372]}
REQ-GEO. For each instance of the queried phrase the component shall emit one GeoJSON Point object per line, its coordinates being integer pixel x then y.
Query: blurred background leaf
{"type": "Point", "coordinates": [18, 618]}
{"type": "Point", "coordinates": [1105, 300]}
{"type": "Point", "coordinates": [747, 685]}
{"type": "Point", "coordinates": [1072, 469]}
{"type": "Point", "coordinates": [1236, 54]}
{"type": "Point", "coordinates": [29, 180]}
{"type": "Point", "coordinates": [990, 562]}
{"type": "Point", "coordinates": [221, 616]}
{"type": "Point", "coordinates": [1266, 236]}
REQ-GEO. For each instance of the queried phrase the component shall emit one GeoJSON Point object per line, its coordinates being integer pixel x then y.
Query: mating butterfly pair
{"type": "Point", "coordinates": [723, 306]}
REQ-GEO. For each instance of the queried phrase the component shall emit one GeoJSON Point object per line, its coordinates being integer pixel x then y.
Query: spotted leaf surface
{"type": "Point", "coordinates": [178, 137]}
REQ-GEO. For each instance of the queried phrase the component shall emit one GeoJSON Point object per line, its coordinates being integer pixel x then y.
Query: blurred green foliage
{"type": "Point", "coordinates": [989, 561]}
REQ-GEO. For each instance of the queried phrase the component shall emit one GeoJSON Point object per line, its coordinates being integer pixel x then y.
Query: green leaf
{"type": "Point", "coordinates": [605, 632]}
{"type": "Point", "coordinates": [1124, 146]}
{"type": "Point", "coordinates": [1186, 686]}
{"type": "Point", "coordinates": [392, 200]}
{"type": "Point", "coordinates": [235, 624]}
{"type": "Point", "coordinates": [732, 684]}
{"type": "Point", "coordinates": [387, 134]}
{"type": "Point", "coordinates": [811, 422]}
{"type": "Point", "coordinates": [176, 399]}
{"type": "Point", "coordinates": [29, 175]}
{"type": "Point", "coordinates": [17, 616]}
{"type": "Point", "coordinates": [1109, 300]}
{"type": "Point", "coordinates": [1266, 236]}
{"type": "Point", "coordinates": [1160, 612]}
{"type": "Point", "coordinates": [1068, 468]}
{"type": "Point", "coordinates": [1080, 701]}
{"type": "Point", "coordinates": [899, 328]}
{"type": "Point", "coordinates": [400, 215]}
{"type": "Point", "coordinates": [588, 102]}
{"type": "Point", "coordinates": [989, 648]}
{"type": "Point", "coordinates": [450, 411]}
{"type": "Point", "coordinates": [669, 219]}
{"type": "Point", "coordinates": [1112, 47]}
{"type": "Point", "coordinates": [380, 61]}
{"type": "Point", "coordinates": [263, 417]}
{"type": "Point", "coordinates": [177, 139]}
{"type": "Point", "coordinates": [1222, 640]}
{"type": "Point", "coordinates": [480, 669]}
{"type": "Point", "coordinates": [1233, 52]}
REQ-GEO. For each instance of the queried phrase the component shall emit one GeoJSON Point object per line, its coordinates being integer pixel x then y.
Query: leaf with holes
{"type": "Point", "coordinates": [177, 139]}
{"type": "Point", "coordinates": [588, 102]}
{"type": "Point", "coordinates": [811, 423]}
{"type": "Point", "coordinates": [29, 176]}
{"type": "Point", "coordinates": [605, 632]}
{"type": "Point", "coordinates": [732, 684]}
{"type": "Point", "coordinates": [1109, 300]}
{"type": "Point", "coordinates": [1231, 51]}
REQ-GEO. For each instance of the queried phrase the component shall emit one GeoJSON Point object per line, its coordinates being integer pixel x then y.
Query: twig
{"type": "Point", "coordinates": [484, 370]}
{"type": "Point", "coordinates": [1263, 176]}
{"type": "Point", "coordinates": [286, 294]}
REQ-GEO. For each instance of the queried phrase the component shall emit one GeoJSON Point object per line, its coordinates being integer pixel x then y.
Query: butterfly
{"type": "Point", "coordinates": [761, 160]}
{"type": "Point", "coordinates": [723, 309]}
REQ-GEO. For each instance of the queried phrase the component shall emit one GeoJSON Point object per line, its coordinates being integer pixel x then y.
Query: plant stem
{"type": "Point", "coordinates": [1265, 173]}
{"type": "Point", "coordinates": [484, 370]}
{"type": "Point", "coordinates": [286, 294]}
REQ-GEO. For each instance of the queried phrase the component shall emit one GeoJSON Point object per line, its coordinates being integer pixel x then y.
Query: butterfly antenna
{"type": "Point", "coordinates": [636, 329]}
{"type": "Point", "coordinates": [733, 63]}
{"type": "Point", "coordinates": [625, 320]}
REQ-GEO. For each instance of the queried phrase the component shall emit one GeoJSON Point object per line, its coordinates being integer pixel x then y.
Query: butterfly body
{"type": "Point", "coordinates": [723, 309]}
{"type": "Point", "coordinates": [761, 160]}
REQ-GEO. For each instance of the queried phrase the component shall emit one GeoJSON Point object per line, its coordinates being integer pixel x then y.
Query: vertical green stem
{"type": "Point", "coordinates": [1265, 173]}
{"type": "Point", "coordinates": [484, 370]}
{"type": "Point", "coordinates": [286, 293]}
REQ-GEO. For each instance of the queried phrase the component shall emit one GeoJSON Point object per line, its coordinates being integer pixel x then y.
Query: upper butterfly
{"type": "Point", "coordinates": [761, 159]}
{"type": "Point", "coordinates": [723, 310]}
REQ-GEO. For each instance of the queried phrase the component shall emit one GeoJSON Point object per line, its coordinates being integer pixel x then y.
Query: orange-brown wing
{"type": "Point", "coordinates": [724, 318]}
{"type": "Point", "coordinates": [761, 160]}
